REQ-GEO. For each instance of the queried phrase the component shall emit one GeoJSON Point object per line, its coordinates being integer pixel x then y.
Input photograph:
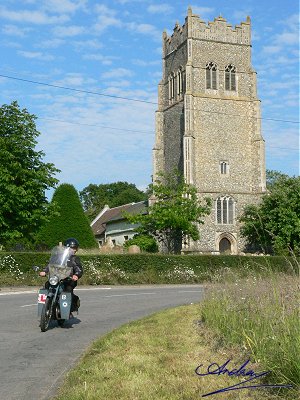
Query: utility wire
{"type": "Point", "coordinates": [131, 130]}
{"type": "Point", "coordinates": [136, 100]}
{"type": "Point", "coordinates": [76, 90]}
{"type": "Point", "coordinates": [95, 126]}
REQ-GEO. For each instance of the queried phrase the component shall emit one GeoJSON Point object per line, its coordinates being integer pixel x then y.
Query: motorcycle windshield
{"type": "Point", "coordinates": [58, 262]}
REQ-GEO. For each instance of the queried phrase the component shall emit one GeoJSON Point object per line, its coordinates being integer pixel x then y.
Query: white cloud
{"type": "Point", "coordinates": [130, 1]}
{"type": "Point", "coordinates": [241, 15]}
{"type": "Point", "coordinates": [106, 18]}
{"type": "Point", "coordinates": [36, 55]}
{"type": "Point", "coordinates": [145, 29]}
{"type": "Point", "coordinates": [272, 49]}
{"type": "Point", "coordinates": [121, 83]}
{"type": "Point", "coordinates": [32, 17]}
{"type": "Point", "coordinates": [13, 30]}
{"type": "Point", "coordinates": [203, 12]}
{"type": "Point", "coordinates": [287, 38]}
{"type": "Point", "coordinates": [68, 31]}
{"type": "Point", "coordinates": [284, 41]}
{"type": "Point", "coordinates": [65, 6]}
{"type": "Point", "coordinates": [285, 46]}
{"type": "Point", "coordinates": [283, 142]}
{"type": "Point", "coordinates": [74, 79]}
{"type": "Point", "coordinates": [117, 73]}
{"type": "Point", "coordinates": [105, 60]}
{"type": "Point", "coordinates": [51, 43]}
{"type": "Point", "coordinates": [120, 148]}
{"type": "Point", "coordinates": [255, 35]}
{"type": "Point", "coordinates": [144, 63]}
{"type": "Point", "coordinates": [87, 44]}
{"type": "Point", "coordinates": [10, 44]}
{"type": "Point", "coordinates": [282, 85]}
{"type": "Point", "coordinates": [160, 8]}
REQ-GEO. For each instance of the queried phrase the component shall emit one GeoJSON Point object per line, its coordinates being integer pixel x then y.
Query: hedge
{"type": "Point", "coordinates": [136, 263]}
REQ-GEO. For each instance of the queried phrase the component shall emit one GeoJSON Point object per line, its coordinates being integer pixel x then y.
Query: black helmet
{"type": "Point", "coordinates": [71, 242]}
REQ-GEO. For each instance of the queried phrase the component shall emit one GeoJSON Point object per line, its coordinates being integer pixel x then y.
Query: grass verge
{"type": "Point", "coordinates": [261, 316]}
{"type": "Point", "coordinates": [156, 358]}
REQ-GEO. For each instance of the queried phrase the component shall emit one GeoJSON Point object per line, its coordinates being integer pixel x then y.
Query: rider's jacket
{"type": "Point", "coordinates": [76, 265]}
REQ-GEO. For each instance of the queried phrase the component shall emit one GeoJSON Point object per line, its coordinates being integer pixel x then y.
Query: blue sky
{"type": "Point", "coordinates": [114, 48]}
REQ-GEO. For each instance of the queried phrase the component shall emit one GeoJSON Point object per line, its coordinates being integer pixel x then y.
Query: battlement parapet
{"type": "Point", "coordinates": [218, 30]}
{"type": "Point", "coordinates": [179, 36]}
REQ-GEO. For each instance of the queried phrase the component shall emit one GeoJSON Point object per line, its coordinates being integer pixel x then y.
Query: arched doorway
{"type": "Point", "coordinates": [225, 246]}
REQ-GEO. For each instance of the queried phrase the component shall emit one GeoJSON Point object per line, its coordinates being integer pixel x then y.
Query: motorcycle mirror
{"type": "Point", "coordinates": [36, 268]}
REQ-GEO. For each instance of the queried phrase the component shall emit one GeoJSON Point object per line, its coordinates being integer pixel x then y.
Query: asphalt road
{"type": "Point", "coordinates": [32, 363]}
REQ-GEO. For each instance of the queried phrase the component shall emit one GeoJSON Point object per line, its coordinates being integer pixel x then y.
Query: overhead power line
{"type": "Point", "coordinates": [136, 100]}
{"type": "Point", "coordinates": [76, 90]}
{"type": "Point", "coordinates": [132, 130]}
{"type": "Point", "coordinates": [95, 125]}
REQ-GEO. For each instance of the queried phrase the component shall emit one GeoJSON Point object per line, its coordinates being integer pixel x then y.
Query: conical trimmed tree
{"type": "Point", "coordinates": [70, 220]}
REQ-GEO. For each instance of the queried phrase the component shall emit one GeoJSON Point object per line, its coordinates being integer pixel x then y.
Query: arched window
{"type": "Point", "coordinates": [211, 76]}
{"type": "Point", "coordinates": [225, 210]}
{"type": "Point", "coordinates": [171, 84]}
{"type": "Point", "coordinates": [230, 77]}
{"type": "Point", "coordinates": [224, 167]}
{"type": "Point", "coordinates": [180, 82]}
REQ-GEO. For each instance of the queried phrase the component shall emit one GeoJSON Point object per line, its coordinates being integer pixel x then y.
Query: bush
{"type": "Point", "coordinates": [70, 221]}
{"type": "Point", "coordinates": [10, 267]}
{"type": "Point", "coordinates": [145, 243]}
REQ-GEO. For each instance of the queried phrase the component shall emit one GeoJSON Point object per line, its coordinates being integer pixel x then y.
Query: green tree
{"type": "Point", "coordinates": [95, 197]}
{"type": "Point", "coordinates": [24, 177]}
{"type": "Point", "coordinates": [273, 177]}
{"type": "Point", "coordinates": [145, 242]}
{"type": "Point", "coordinates": [274, 225]}
{"type": "Point", "coordinates": [69, 221]}
{"type": "Point", "coordinates": [174, 214]}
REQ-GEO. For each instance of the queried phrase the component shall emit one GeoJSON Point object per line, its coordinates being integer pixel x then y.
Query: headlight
{"type": "Point", "coordinates": [53, 280]}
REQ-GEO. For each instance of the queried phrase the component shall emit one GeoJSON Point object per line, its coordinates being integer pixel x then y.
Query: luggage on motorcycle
{"type": "Point", "coordinates": [42, 295]}
{"type": "Point", "coordinates": [65, 301]}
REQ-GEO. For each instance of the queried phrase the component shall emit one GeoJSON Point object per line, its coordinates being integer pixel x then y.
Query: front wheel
{"type": "Point", "coordinates": [46, 315]}
{"type": "Point", "coordinates": [61, 322]}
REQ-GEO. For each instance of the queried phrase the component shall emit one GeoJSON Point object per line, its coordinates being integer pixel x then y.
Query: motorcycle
{"type": "Point", "coordinates": [54, 303]}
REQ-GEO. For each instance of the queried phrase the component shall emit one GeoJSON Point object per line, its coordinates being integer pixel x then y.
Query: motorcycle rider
{"type": "Point", "coordinates": [76, 272]}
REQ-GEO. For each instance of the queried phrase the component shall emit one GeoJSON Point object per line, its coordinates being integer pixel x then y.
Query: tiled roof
{"type": "Point", "coordinates": [115, 214]}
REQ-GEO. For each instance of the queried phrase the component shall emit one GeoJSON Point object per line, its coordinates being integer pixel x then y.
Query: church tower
{"type": "Point", "coordinates": [208, 124]}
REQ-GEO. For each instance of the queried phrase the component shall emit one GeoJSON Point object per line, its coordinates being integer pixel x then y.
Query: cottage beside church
{"type": "Point", "coordinates": [208, 124]}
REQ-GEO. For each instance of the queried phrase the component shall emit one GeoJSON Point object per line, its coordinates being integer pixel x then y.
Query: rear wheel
{"type": "Point", "coordinates": [46, 315]}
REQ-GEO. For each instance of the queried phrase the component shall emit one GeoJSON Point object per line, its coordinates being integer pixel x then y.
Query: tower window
{"type": "Point", "coordinates": [224, 167]}
{"type": "Point", "coordinates": [230, 78]}
{"type": "Point", "coordinates": [225, 210]}
{"type": "Point", "coordinates": [180, 82]}
{"type": "Point", "coordinates": [211, 76]}
{"type": "Point", "coordinates": [171, 83]}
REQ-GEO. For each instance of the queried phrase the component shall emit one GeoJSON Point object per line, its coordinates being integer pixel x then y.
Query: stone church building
{"type": "Point", "coordinates": [208, 124]}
